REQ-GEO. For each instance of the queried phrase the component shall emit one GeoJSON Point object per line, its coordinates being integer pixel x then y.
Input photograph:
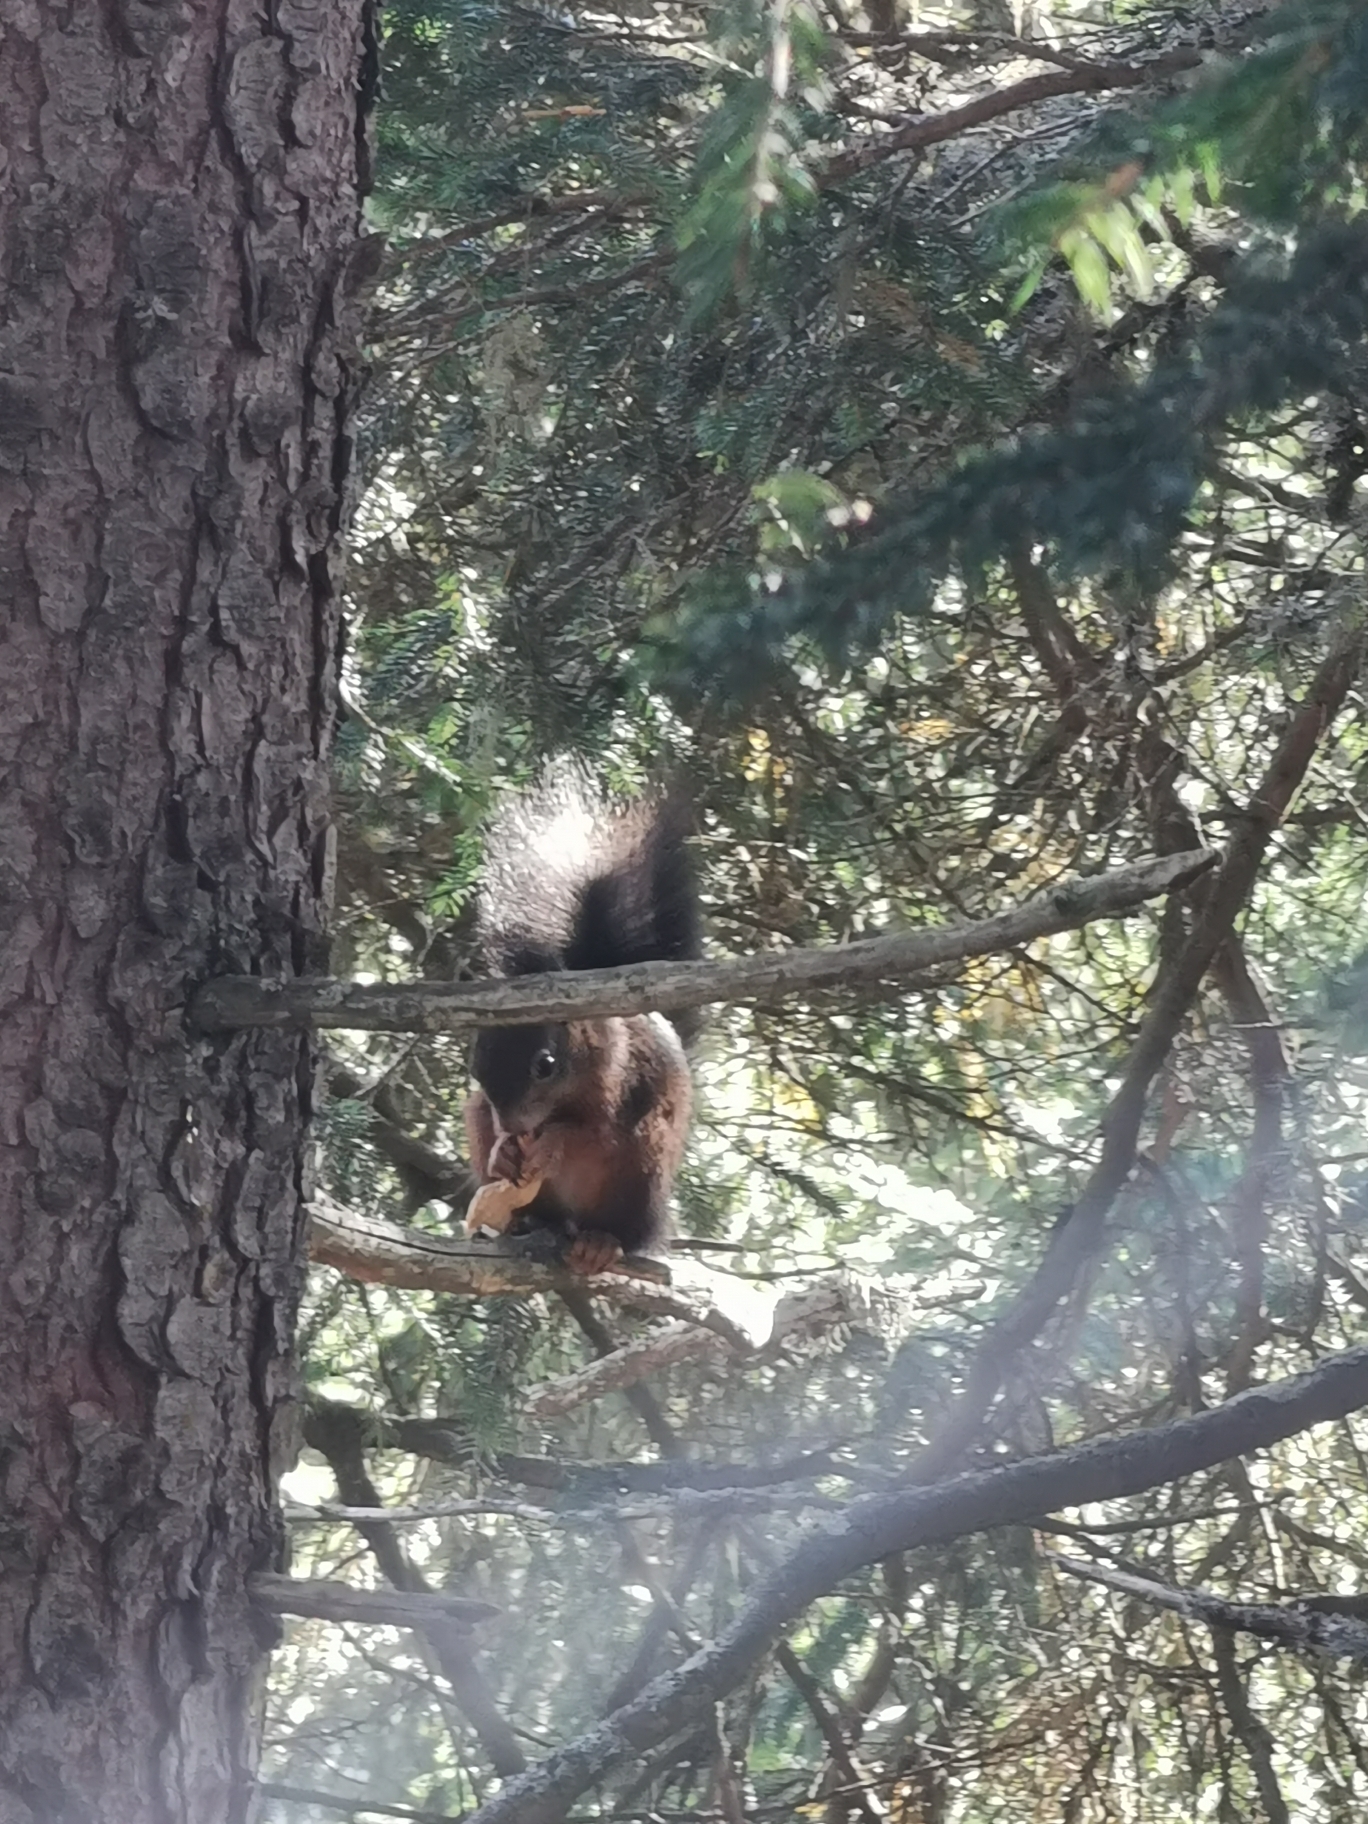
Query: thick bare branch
{"type": "Point", "coordinates": [379, 1253]}
{"type": "Point", "coordinates": [658, 1623]}
{"type": "Point", "coordinates": [235, 1002]}
{"type": "Point", "coordinates": [1075, 672]}
{"type": "Point", "coordinates": [874, 1527]}
{"type": "Point", "coordinates": [1254, 1734]}
{"type": "Point", "coordinates": [733, 1312]}
{"type": "Point", "coordinates": [425, 1170]}
{"type": "Point", "coordinates": [325, 1599]}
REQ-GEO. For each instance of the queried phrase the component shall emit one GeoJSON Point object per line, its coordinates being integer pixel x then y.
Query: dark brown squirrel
{"type": "Point", "coordinates": [582, 1125]}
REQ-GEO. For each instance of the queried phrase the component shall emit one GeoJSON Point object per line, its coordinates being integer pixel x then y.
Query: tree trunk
{"type": "Point", "coordinates": [179, 210]}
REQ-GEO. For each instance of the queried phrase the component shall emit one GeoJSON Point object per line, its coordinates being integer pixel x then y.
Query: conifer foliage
{"type": "Point", "coordinates": [943, 439]}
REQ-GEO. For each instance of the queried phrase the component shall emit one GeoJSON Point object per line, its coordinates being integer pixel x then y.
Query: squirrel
{"type": "Point", "coordinates": [582, 1125]}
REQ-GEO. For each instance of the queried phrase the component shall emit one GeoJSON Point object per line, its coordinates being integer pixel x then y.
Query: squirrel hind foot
{"type": "Point", "coordinates": [593, 1252]}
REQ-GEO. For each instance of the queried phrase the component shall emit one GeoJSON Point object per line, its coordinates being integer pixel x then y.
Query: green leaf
{"type": "Point", "coordinates": [1208, 157]}
{"type": "Point", "coordinates": [1116, 229]}
{"type": "Point", "coordinates": [1028, 286]}
{"type": "Point", "coordinates": [1182, 190]}
{"type": "Point", "coordinates": [1088, 264]}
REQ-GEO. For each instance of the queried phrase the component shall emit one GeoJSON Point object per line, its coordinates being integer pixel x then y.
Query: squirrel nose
{"type": "Point", "coordinates": [519, 1127]}
{"type": "Point", "coordinates": [516, 1124]}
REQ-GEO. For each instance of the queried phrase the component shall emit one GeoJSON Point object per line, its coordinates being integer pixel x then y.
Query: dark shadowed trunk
{"type": "Point", "coordinates": [179, 206]}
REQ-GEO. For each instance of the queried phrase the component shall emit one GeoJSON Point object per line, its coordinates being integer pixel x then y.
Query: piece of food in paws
{"type": "Point", "coordinates": [495, 1205]}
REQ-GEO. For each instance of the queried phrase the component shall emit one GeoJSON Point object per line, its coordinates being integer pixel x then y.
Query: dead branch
{"type": "Point", "coordinates": [1076, 673]}
{"type": "Point", "coordinates": [331, 1427]}
{"type": "Point", "coordinates": [380, 1253]}
{"type": "Point", "coordinates": [312, 1513]}
{"type": "Point", "coordinates": [1253, 1733]}
{"type": "Point", "coordinates": [346, 1807]}
{"type": "Point", "coordinates": [641, 1399]}
{"type": "Point", "coordinates": [612, 1509]}
{"type": "Point", "coordinates": [878, 1525]}
{"type": "Point", "coordinates": [324, 1599]}
{"type": "Point", "coordinates": [233, 1003]}
{"type": "Point", "coordinates": [659, 1622]}
{"type": "Point", "coordinates": [716, 1309]}
{"type": "Point", "coordinates": [932, 129]}
{"type": "Point", "coordinates": [840, 1300]}
{"type": "Point", "coordinates": [425, 1170]}
{"type": "Point", "coordinates": [677, 1342]}
{"type": "Point", "coordinates": [1288, 1624]}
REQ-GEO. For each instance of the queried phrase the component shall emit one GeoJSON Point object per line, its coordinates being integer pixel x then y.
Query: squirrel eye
{"type": "Point", "coordinates": [544, 1065]}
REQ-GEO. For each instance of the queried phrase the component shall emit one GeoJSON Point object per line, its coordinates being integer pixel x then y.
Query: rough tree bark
{"type": "Point", "coordinates": [179, 254]}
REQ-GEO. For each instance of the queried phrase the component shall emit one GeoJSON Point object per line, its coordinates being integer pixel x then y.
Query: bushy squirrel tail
{"type": "Point", "coordinates": [574, 879]}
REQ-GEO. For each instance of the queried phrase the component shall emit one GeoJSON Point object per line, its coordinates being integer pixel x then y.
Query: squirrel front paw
{"type": "Point", "coordinates": [506, 1158]}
